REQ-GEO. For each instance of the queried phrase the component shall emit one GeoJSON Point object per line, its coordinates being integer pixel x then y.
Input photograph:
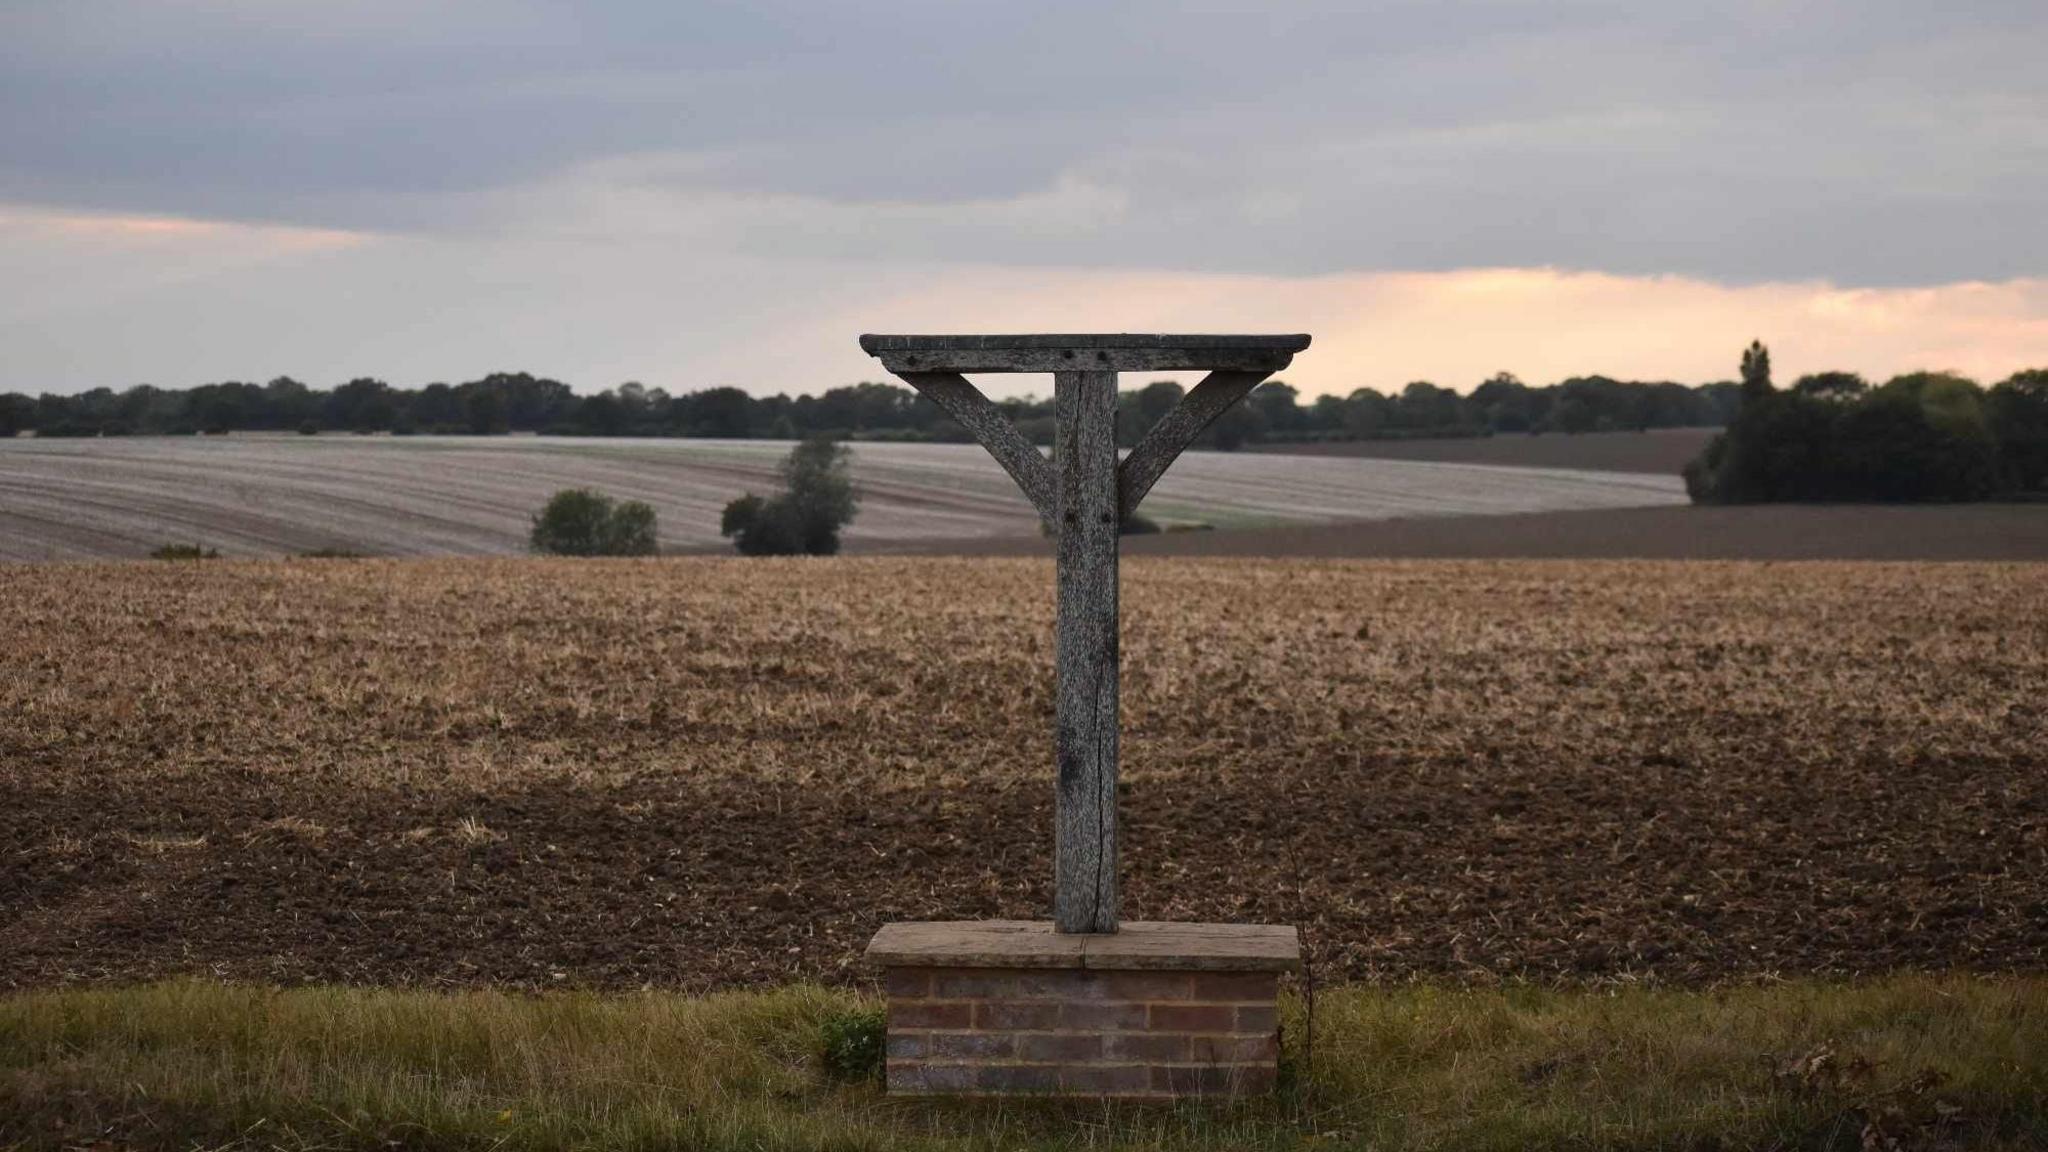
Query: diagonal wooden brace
{"type": "Point", "coordinates": [1176, 430]}
{"type": "Point", "coordinates": [978, 414]}
{"type": "Point", "coordinates": [1162, 445]}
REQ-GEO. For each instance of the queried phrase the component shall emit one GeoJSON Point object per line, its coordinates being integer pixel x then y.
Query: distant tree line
{"type": "Point", "coordinates": [1832, 436]}
{"type": "Point", "coordinates": [520, 402]}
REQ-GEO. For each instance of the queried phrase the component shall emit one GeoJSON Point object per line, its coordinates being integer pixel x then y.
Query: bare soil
{"type": "Point", "coordinates": [695, 773]}
{"type": "Point", "coordinates": [1752, 532]}
{"type": "Point", "coordinates": [1662, 451]}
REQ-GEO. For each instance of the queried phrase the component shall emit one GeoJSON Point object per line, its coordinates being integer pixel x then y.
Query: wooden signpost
{"type": "Point", "coordinates": [1083, 493]}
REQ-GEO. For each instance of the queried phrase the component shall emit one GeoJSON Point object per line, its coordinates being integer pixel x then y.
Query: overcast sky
{"type": "Point", "coordinates": [690, 194]}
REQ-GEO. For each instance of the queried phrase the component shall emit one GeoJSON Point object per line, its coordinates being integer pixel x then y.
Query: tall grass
{"type": "Point", "coordinates": [1910, 1059]}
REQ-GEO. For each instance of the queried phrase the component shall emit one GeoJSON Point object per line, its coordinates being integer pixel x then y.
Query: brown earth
{"type": "Point", "coordinates": [1662, 450]}
{"type": "Point", "coordinates": [704, 772]}
{"type": "Point", "coordinates": [1751, 532]}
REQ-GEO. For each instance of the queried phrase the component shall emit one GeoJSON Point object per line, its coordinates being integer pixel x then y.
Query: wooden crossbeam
{"type": "Point", "coordinates": [1117, 352]}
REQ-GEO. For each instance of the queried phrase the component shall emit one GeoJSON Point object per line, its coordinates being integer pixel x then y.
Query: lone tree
{"type": "Point", "coordinates": [816, 501]}
{"type": "Point", "coordinates": [583, 522]}
{"type": "Point", "coordinates": [1756, 370]}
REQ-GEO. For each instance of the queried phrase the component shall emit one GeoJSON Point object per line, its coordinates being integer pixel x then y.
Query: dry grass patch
{"type": "Point", "coordinates": [471, 830]}
{"type": "Point", "coordinates": [1909, 1062]}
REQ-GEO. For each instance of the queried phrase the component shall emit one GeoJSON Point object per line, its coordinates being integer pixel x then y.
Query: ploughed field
{"type": "Point", "coordinates": [423, 495]}
{"type": "Point", "coordinates": [696, 772]}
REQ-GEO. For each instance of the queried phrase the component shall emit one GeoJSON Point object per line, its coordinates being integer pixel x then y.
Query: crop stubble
{"type": "Point", "coordinates": [702, 772]}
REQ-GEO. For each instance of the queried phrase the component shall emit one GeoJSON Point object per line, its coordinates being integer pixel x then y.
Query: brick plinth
{"type": "Point", "coordinates": [1009, 1008]}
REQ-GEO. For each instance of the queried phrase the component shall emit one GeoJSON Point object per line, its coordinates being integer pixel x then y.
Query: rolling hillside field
{"type": "Point", "coordinates": [256, 495]}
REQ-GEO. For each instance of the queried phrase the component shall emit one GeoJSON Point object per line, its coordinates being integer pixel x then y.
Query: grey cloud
{"type": "Point", "coordinates": [1875, 142]}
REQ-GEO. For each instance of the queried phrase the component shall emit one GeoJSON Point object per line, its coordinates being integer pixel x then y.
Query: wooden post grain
{"type": "Point", "coordinates": [1085, 642]}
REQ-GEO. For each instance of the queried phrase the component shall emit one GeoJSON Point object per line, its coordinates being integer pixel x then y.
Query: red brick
{"type": "Point", "coordinates": [1004, 1014]}
{"type": "Point", "coordinates": [914, 1079]}
{"type": "Point", "coordinates": [907, 982]}
{"type": "Point", "coordinates": [1016, 1078]}
{"type": "Point", "coordinates": [1002, 984]}
{"type": "Point", "coordinates": [1104, 1017]}
{"type": "Point", "coordinates": [1142, 985]}
{"type": "Point", "coordinates": [970, 1045]}
{"type": "Point", "coordinates": [1109, 1080]}
{"type": "Point", "coordinates": [905, 1045]}
{"type": "Point", "coordinates": [1066, 984]}
{"type": "Point", "coordinates": [995, 1031]}
{"type": "Point", "coordinates": [1192, 1018]}
{"type": "Point", "coordinates": [1260, 1021]}
{"type": "Point", "coordinates": [1222, 987]}
{"type": "Point", "coordinates": [922, 1014]}
{"type": "Point", "coordinates": [1162, 1047]}
{"type": "Point", "coordinates": [1214, 1080]}
{"type": "Point", "coordinates": [1065, 1047]}
{"type": "Point", "coordinates": [1232, 1049]}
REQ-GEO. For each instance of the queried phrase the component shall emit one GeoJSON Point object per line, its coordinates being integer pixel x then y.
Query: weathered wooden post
{"type": "Point", "coordinates": [1081, 1006]}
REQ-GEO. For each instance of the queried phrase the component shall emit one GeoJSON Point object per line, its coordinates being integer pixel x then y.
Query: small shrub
{"type": "Point", "coordinates": [816, 502]}
{"type": "Point", "coordinates": [184, 552]}
{"type": "Point", "coordinates": [583, 522]}
{"type": "Point", "coordinates": [853, 1044]}
{"type": "Point", "coordinates": [330, 554]}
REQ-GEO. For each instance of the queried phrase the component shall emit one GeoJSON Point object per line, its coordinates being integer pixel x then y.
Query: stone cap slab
{"type": "Point", "coordinates": [1137, 944]}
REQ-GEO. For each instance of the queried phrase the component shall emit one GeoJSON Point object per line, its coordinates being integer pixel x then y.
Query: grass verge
{"type": "Point", "coordinates": [1906, 1062]}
